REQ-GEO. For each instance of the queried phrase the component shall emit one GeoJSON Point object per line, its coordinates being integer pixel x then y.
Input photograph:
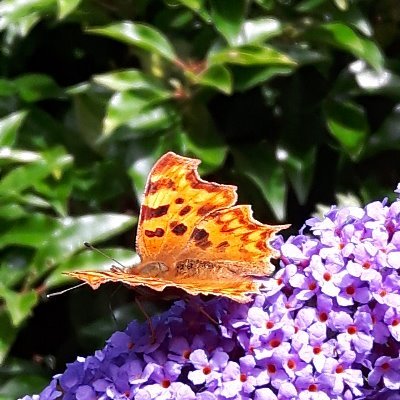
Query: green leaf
{"type": "Point", "coordinates": [35, 87]}
{"type": "Point", "coordinates": [129, 79]}
{"type": "Point", "coordinates": [387, 137]}
{"type": "Point", "coordinates": [347, 122]}
{"type": "Point", "coordinates": [32, 231]}
{"type": "Point", "coordinates": [227, 17]}
{"type": "Point", "coordinates": [22, 156]}
{"type": "Point", "coordinates": [20, 178]}
{"type": "Point", "coordinates": [9, 127]}
{"type": "Point", "coordinates": [201, 137]}
{"type": "Point", "coordinates": [300, 170]}
{"type": "Point", "coordinates": [11, 212]}
{"type": "Point", "coordinates": [137, 110]}
{"type": "Point", "coordinates": [258, 163]}
{"type": "Point", "coordinates": [8, 333]}
{"type": "Point", "coordinates": [198, 7]}
{"type": "Point", "coordinates": [140, 35]}
{"type": "Point", "coordinates": [258, 30]}
{"type": "Point", "coordinates": [343, 37]}
{"type": "Point", "coordinates": [217, 76]}
{"type": "Point", "coordinates": [66, 7]}
{"type": "Point", "coordinates": [20, 384]}
{"type": "Point", "coordinates": [309, 5]}
{"type": "Point", "coordinates": [247, 77]}
{"type": "Point", "coordinates": [73, 232]}
{"type": "Point", "coordinates": [89, 260]}
{"type": "Point", "coordinates": [342, 5]}
{"type": "Point", "coordinates": [251, 55]}
{"type": "Point", "coordinates": [19, 305]}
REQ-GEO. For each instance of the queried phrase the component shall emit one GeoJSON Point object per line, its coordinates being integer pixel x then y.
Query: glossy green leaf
{"type": "Point", "coordinates": [266, 4]}
{"type": "Point", "coordinates": [129, 79]}
{"type": "Point", "coordinates": [11, 212]}
{"type": "Point", "coordinates": [198, 7]}
{"type": "Point", "coordinates": [34, 87]}
{"type": "Point", "coordinates": [347, 122]}
{"type": "Point", "coordinates": [32, 231]}
{"type": "Point", "coordinates": [227, 17]}
{"type": "Point", "coordinates": [9, 127]}
{"type": "Point", "coordinates": [7, 87]}
{"type": "Point", "coordinates": [8, 333]}
{"type": "Point", "coordinates": [66, 7]}
{"type": "Point", "coordinates": [342, 5]}
{"type": "Point", "coordinates": [259, 164]}
{"type": "Point", "coordinates": [20, 178]}
{"type": "Point", "coordinates": [247, 77]}
{"type": "Point", "coordinates": [218, 77]}
{"type": "Point", "coordinates": [300, 167]}
{"type": "Point", "coordinates": [90, 260]}
{"type": "Point", "coordinates": [140, 35]}
{"type": "Point", "coordinates": [250, 56]}
{"type": "Point", "coordinates": [13, 11]}
{"type": "Point", "coordinates": [73, 232]}
{"type": "Point", "coordinates": [137, 110]}
{"type": "Point", "coordinates": [201, 138]}
{"type": "Point", "coordinates": [309, 5]}
{"type": "Point", "coordinates": [343, 37]}
{"type": "Point", "coordinates": [19, 304]}
{"type": "Point", "coordinates": [257, 31]}
{"type": "Point", "coordinates": [22, 156]}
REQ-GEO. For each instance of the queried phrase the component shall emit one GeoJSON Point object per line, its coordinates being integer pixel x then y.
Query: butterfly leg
{"type": "Point", "coordinates": [188, 299]}
{"type": "Point", "coordinates": [149, 323]}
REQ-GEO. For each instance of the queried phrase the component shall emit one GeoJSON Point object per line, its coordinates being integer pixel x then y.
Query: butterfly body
{"type": "Point", "coordinates": [192, 236]}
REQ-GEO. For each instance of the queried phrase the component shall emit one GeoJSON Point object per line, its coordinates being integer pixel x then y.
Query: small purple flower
{"type": "Point", "coordinates": [326, 326]}
{"type": "Point", "coordinates": [388, 370]}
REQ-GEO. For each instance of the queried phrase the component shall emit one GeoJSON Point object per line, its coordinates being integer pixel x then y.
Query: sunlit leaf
{"type": "Point", "coordinates": [129, 79]}
{"type": "Point", "coordinates": [251, 55]}
{"type": "Point", "coordinates": [66, 7]}
{"type": "Point", "coordinates": [73, 232]}
{"type": "Point", "coordinates": [343, 37]}
{"type": "Point", "coordinates": [217, 76]}
{"type": "Point", "coordinates": [257, 31]}
{"type": "Point", "coordinates": [138, 110]}
{"type": "Point", "coordinates": [24, 176]}
{"type": "Point", "coordinates": [9, 127]}
{"type": "Point", "coordinates": [90, 260]}
{"type": "Point", "coordinates": [140, 35]}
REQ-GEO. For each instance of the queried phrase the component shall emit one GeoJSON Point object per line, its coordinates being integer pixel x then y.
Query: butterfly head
{"type": "Point", "coordinates": [151, 269]}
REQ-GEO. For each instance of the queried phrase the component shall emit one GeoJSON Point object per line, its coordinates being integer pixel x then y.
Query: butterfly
{"type": "Point", "coordinates": [193, 237]}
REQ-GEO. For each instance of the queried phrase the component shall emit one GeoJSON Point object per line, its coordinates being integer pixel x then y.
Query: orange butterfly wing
{"type": "Point", "coordinates": [175, 200]}
{"type": "Point", "coordinates": [190, 225]}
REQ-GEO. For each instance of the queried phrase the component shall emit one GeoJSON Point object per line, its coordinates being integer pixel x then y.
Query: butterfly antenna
{"type": "Point", "coordinates": [65, 290]}
{"type": "Point", "coordinates": [91, 247]}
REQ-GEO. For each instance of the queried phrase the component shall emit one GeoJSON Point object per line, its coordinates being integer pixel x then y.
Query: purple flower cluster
{"type": "Point", "coordinates": [326, 327]}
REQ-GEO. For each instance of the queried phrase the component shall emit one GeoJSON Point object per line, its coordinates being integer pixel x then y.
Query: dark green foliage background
{"type": "Point", "coordinates": [294, 101]}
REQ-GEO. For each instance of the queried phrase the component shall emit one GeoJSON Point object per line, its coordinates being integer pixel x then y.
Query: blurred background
{"type": "Point", "coordinates": [295, 102]}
